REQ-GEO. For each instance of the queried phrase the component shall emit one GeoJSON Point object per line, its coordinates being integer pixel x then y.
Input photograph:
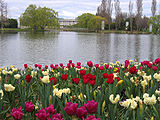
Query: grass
{"type": "Point", "coordinates": [125, 32]}
{"type": "Point", "coordinates": [77, 30]}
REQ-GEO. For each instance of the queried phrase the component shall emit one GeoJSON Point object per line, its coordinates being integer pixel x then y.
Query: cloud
{"type": "Point", "coordinates": [70, 8]}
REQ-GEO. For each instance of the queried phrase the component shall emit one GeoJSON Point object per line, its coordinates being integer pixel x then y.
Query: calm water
{"type": "Point", "coordinates": [56, 47]}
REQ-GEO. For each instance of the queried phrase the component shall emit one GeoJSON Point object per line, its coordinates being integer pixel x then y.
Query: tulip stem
{"type": "Point", "coordinates": [87, 88]}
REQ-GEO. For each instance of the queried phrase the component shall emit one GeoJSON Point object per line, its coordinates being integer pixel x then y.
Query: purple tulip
{"type": "Point", "coordinates": [17, 113]}
{"type": "Point", "coordinates": [91, 107]}
{"type": "Point", "coordinates": [81, 112]}
{"type": "Point", "coordinates": [42, 115]}
{"type": "Point", "coordinates": [91, 117]}
{"type": "Point", "coordinates": [51, 109]}
{"type": "Point", "coordinates": [29, 106]}
{"type": "Point", "coordinates": [70, 109]}
{"type": "Point", "coordinates": [57, 117]}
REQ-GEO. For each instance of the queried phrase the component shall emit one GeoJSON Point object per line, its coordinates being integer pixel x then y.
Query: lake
{"type": "Point", "coordinates": [55, 47]}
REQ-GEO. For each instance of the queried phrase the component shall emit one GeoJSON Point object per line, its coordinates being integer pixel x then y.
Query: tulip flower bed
{"type": "Point", "coordinates": [110, 91]}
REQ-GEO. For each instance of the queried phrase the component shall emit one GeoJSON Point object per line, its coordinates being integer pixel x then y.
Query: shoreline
{"type": "Point", "coordinates": [75, 30]}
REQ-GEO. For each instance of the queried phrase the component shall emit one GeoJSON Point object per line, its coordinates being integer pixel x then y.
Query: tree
{"type": "Point", "coordinates": [139, 14]}
{"type": "Point", "coordinates": [105, 10]}
{"type": "Point", "coordinates": [90, 21]}
{"type": "Point", "coordinates": [155, 21]}
{"type": "Point", "coordinates": [130, 15]}
{"type": "Point", "coordinates": [109, 9]}
{"type": "Point", "coordinates": [39, 18]}
{"type": "Point", "coordinates": [95, 23]}
{"type": "Point", "coordinates": [117, 13]}
{"type": "Point", "coordinates": [83, 20]}
{"type": "Point", "coordinates": [12, 23]}
{"type": "Point", "coordinates": [124, 17]}
{"type": "Point", "coordinates": [144, 24]}
{"type": "Point", "coordinates": [3, 12]}
{"type": "Point", "coordinates": [102, 9]}
{"type": "Point", "coordinates": [153, 8]}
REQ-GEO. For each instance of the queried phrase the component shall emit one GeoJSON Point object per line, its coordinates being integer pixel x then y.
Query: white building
{"type": "Point", "coordinates": [67, 22]}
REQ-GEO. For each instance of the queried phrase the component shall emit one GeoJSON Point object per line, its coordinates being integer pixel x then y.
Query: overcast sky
{"type": "Point", "coordinates": [70, 8]}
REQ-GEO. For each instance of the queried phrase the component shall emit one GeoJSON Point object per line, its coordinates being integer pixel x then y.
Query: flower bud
{"type": "Point", "coordinates": [103, 105]}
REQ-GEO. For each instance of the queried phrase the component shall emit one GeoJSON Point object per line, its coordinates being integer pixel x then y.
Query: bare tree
{"type": "Point", "coordinates": [145, 22]}
{"type": "Point", "coordinates": [139, 14]}
{"type": "Point", "coordinates": [3, 12]}
{"type": "Point", "coordinates": [117, 13]}
{"type": "Point", "coordinates": [101, 10]}
{"type": "Point", "coordinates": [105, 10]}
{"type": "Point", "coordinates": [98, 11]}
{"type": "Point", "coordinates": [131, 14]}
{"type": "Point", "coordinates": [153, 8]}
{"type": "Point", "coordinates": [109, 9]}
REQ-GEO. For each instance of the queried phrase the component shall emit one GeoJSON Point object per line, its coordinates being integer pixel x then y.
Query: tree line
{"type": "Point", "coordinates": [4, 21]}
{"type": "Point", "coordinates": [136, 20]}
{"type": "Point", "coordinates": [42, 17]}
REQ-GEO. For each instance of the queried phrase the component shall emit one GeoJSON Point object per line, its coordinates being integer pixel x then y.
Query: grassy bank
{"type": "Point", "coordinates": [76, 30]}
{"type": "Point", "coordinates": [20, 30]}
{"type": "Point", "coordinates": [125, 32]}
{"type": "Point", "coordinates": [14, 30]}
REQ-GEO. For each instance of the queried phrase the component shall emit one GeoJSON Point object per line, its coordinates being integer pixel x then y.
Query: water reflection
{"type": "Point", "coordinates": [55, 47]}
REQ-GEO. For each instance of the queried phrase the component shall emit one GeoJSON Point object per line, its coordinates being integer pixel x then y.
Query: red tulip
{"type": "Point", "coordinates": [25, 65]}
{"type": "Point", "coordinates": [105, 75]}
{"type": "Point", "coordinates": [78, 63]}
{"type": "Point", "coordinates": [76, 80]}
{"type": "Point", "coordinates": [82, 72]}
{"type": "Point", "coordinates": [53, 78]}
{"type": "Point", "coordinates": [90, 63]}
{"type": "Point", "coordinates": [70, 61]}
{"type": "Point", "coordinates": [101, 67]}
{"type": "Point", "coordinates": [96, 65]}
{"type": "Point", "coordinates": [61, 64]}
{"type": "Point", "coordinates": [157, 61]}
{"type": "Point", "coordinates": [64, 77]}
{"type": "Point", "coordinates": [133, 70]}
{"type": "Point", "coordinates": [92, 82]}
{"type": "Point", "coordinates": [46, 66]}
{"type": "Point", "coordinates": [106, 66]}
{"type": "Point", "coordinates": [154, 68]}
{"type": "Point", "coordinates": [28, 78]}
{"type": "Point", "coordinates": [39, 66]}
{"type": "Point", "coordinates": [36, 65]}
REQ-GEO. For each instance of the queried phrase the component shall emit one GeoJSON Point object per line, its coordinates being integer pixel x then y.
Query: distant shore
{"type": "Point", "coordinates": [76, 30]}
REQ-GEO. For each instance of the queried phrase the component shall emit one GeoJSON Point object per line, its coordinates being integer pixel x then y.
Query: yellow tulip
{"type": "Point", "coordinates": [141, 108]}
{"type": "Point", "coordinates": [119, 83]}
{"type": "Point", "coordinates": [11, 66]}
{"type": "Point", "coordinates": [52, 70]}
{"type": "Point", "coordinates": [103, 105]}
{"type": "Point", "coordinates": [50, 99]}
{"type": "Point", "coordinates": [54, 87]}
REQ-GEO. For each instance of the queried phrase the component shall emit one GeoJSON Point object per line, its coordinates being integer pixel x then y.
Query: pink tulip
{"type": "Point", "coordinates": [51, 109]}
{"type": "Point", "coordinates": [91, 117]}
{"type": "Point", "coordinates": [17, 113]}
{"type": "Point", "coordinates": [42, 115]}
{"type": "Point", "coordinates": [29, 106]}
